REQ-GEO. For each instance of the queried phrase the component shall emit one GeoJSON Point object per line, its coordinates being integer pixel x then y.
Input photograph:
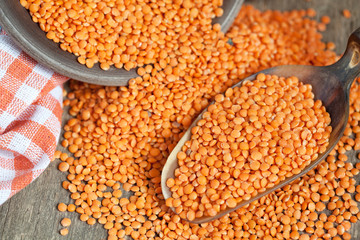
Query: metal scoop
{"type": "Point", "coordinates": [331, 84]}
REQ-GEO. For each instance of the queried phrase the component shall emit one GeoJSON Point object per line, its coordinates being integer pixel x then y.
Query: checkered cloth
{"type": "Point", "coordinates": [30, 114]}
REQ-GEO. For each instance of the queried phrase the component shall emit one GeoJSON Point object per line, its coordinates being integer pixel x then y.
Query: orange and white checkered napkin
{"type": "Point", "coordinates": [30, 114]}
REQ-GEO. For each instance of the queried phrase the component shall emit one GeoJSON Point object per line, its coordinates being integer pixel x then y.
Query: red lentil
{"type": "Point", "coordinates": [64, 231]}
{"type": "Point", "coordinates": [65, 222]}
{"type": "Point", "coordinates": [346, 13]}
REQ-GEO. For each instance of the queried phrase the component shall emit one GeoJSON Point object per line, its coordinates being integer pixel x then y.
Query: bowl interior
{"type": "Point", "coordinates": [16, 20]}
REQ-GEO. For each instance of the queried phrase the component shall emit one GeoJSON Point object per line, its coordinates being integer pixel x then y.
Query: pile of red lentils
{"type": "Point", "coordinates": [127, 33]}
{"type": "Point", "coordinates": [250, 139]}
{"type": "Point", "coordinates": [120, 138]}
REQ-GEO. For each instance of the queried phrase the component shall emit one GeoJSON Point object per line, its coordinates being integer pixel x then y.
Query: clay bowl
{"type": "Point", "coordinates": [17, 22]}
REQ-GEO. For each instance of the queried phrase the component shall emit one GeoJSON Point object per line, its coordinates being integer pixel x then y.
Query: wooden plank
{"type": "Point", "coordinates": [4, 209]}
{"type": "Point", "coordinates": [32, 213]}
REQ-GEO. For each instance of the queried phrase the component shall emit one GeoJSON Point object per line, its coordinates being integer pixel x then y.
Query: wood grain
{"type": "Point", "coordinates": [32, 213]}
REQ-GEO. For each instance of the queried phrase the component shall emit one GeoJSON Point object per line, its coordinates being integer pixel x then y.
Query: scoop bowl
{"type": "Point", "coordinates": [330, 84]}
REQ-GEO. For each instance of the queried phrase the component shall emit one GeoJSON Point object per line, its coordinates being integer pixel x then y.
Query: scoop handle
{"type": "Point", "coordinates": [348, 67]}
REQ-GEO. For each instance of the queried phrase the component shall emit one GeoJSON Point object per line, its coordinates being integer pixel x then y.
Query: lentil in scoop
{"type": "Point", "coordinates": [250, 139]}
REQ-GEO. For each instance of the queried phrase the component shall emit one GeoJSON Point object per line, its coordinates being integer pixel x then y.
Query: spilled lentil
{"type": "Point", "coordinates": [64, 231]}
{"type": "Point", "coordinates": [121, 137]}
{"type": "Point", "coordinates": [65, 222]}
{"type": "Point", "coordinates": [346, 13]}
{"type": "Point", "coordinates": [252, 138]}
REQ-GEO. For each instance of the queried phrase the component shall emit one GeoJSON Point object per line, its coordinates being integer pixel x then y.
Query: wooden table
{"type": "Point", "coordinates": [32, 213]}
